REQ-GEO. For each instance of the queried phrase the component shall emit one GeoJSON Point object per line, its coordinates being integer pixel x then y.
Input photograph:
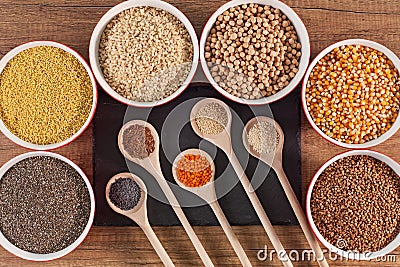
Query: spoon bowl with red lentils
{"type": "Point", "coordinates": [194, 170]}
{"type": "Point", "coordinates": [351, 93]}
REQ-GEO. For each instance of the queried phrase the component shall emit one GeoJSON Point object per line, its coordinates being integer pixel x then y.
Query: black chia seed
{"type": "Point", "coordinates": [125, 193]}
{"type": "Point", "coordinates": [44, 205]}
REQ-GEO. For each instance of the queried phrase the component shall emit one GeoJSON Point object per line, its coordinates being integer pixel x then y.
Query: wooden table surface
{"type": "Point", "coordinates": [71, 22]}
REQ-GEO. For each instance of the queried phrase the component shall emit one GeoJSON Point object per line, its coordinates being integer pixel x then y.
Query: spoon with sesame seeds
{"type": "Point", "coordinates": [216, 128]}
{"type": "Point", "coordinates": [207, 193]}
{"type": "Point", "coordinates": [263, 138]}
{"type": "Point", "coordinates": [151, 163]}
{"type": "Point", "coordinates": [136, 210]}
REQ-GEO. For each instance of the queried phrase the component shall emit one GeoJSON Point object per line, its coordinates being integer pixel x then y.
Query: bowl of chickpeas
{"type": "Point", "coordinates": [254, 52]}
{"type": "Point", "coordinates": [351, 93]}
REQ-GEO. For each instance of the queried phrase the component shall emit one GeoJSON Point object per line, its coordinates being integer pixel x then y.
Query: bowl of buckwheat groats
{"type": "Point", "coordinates": [353, 204]}
{"type": "Point", "coordinates": [48, 95]}
{"type": "Point", "coordinates": [351, 93]}
{"type": "Point", "coordinates": [144, 53]}
{"type": "Point", "coordinates": [254, 52]}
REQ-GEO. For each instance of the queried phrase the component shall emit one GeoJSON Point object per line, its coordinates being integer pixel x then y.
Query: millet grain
{"type": "Point", "coordinates": [46, 95]}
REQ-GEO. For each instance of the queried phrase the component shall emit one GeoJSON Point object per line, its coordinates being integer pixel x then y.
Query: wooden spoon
{"type": "Point", "coordinates": [207, 193]}
{"type": "Point", "coordinates": [152, 165]}
{"type": "Point", "coordinates": [223, 141]}
{"type": "Point", "coordinates": [139, 215]}
{"type": "Point", "coordinates": [274, 159]}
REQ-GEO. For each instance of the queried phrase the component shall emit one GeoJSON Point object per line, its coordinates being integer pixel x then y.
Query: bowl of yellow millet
{"type": "Point", "coordinates": [48, 95]}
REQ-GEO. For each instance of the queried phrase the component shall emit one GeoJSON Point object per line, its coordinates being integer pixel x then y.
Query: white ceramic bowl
{"type": "Point", "coordinates": [301, 33]}
{"type": "Point", "coordinates": [96, 37]}
{"type": "Point", "coordinates": [323, 53]}
{"type": "Point", "coordinates": [333, 247]}
{"type": "Point", "coordinates": [46, 257]}
{"type": "Point", "coordinates": [19, 49]}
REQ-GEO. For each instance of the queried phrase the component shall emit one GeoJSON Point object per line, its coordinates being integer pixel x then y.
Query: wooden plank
{"type": "Point", "coordinates": [128, 246]}
{"type": "Point", "coordinates": [79, 151]}
{"type": "Point", "coordinates": [71, 22]}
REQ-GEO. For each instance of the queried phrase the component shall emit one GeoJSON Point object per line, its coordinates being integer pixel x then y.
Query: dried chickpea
{"type": "Point", "coordinates": [253, 51]}
{"type": "Point", "coordinates": [353, 94]}
{"type": "Point", "coordinates": [194, 170]}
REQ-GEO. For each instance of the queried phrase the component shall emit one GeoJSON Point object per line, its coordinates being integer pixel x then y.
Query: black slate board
{"type": "Point", "coordinates": [108, 161]}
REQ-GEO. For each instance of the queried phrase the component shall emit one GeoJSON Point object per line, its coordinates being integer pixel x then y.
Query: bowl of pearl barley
{"type": "Point", "coordinates": [144, 53]}
{"type": "Point", "coordinates": [254, 52]}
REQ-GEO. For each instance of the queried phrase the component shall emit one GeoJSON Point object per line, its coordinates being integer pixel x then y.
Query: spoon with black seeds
{"type": "Point", "coordinates": [143, 148]}
{"type": "Point", "coordinates": [126, 194]}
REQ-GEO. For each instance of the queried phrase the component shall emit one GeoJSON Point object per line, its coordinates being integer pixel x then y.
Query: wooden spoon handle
{"type": "Point", "coordinates": [230, 234]}
{"type": "Point", "coordinates": [158, 247]}
{"type": "Point", "coordinates": [182, 218]}
{"type": "Point", "coordinates": [269, 229]}
{"type": "Point", "coordinates": [294, 202]}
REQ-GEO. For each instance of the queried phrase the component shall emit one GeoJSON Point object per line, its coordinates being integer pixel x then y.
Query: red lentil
{"type": "Point", "coordinates": [194, 170]}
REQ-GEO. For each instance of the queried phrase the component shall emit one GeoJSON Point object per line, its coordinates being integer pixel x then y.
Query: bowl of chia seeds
{"type": "Point", "coordinates": [254, 52]}
{"type": "Point", "coordinates": [353, 205]}
{"type": "Point", "coordinates": [48, 95]}
{"type": "Point", "coordinates": [144, 53]}
{"type": "Point", "coordinates": [46, 206]}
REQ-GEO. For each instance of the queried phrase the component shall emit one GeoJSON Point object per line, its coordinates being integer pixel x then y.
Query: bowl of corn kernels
{"type": "Point", "coordinates": [254, 52]}
{"type": "Point", "coordinates": [144, 53]}
{"type": "Point", "coordinates": [351, 93]}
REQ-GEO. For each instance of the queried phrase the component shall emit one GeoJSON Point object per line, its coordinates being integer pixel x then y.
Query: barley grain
{"type": "Point", "coordinates": [145, 54]}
